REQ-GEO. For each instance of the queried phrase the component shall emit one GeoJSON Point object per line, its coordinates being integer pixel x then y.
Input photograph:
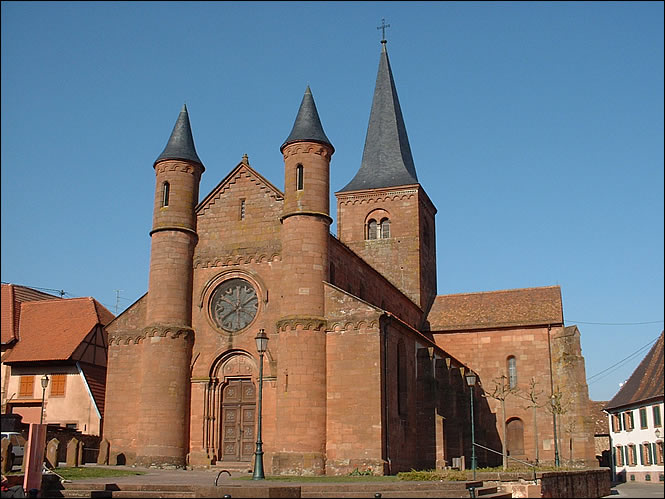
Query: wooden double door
{"type": "Point", "coordinates": [238, 420]}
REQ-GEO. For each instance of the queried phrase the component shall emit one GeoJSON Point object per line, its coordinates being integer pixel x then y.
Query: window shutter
{"type": "Point", "coordinates": [642, 454]}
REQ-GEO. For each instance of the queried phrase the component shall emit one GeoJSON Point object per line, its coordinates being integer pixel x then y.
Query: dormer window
{"type": "Point", "coordinates": [299, 178]}
{"type": "Point", "coordinates": [166, 190]}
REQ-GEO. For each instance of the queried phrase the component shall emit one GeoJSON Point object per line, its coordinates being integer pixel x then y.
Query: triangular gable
{"type": "Point", "coordinates": [241, 169]}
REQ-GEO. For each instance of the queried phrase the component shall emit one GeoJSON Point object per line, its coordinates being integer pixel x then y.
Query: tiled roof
{"type": "Point", "coordinates": [96, 378]}
{"type": "Point", "coordinates": [12, 297]}
{"type": "Point", "coordinates": [53, 329]}
{"type": "Point", "coordinates": [493, 309]}
{"type": "Point", "coordinates": [646, 382]}
{"type": "Point", "coordinates": [600, 423]}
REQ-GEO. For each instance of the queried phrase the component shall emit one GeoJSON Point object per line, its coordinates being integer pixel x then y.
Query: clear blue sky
{"type": "Point", "coordinates": [536, 129]}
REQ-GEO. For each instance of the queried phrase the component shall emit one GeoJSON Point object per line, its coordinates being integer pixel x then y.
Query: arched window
{"type": "Point", "coordinates": [299, 177]}
{"type": "Point", "coordinates": [385, 228]}
{"type": "Point", "coordinates": [166, 190]}
{"type": "Point", "coordinates": [371, 229]}
{"type": "Point", "coordinates": [512, 372]}
{"type": "Point", "coordinates": [401, 378]}
{"type": "Point", "coordinates": [515, 437]}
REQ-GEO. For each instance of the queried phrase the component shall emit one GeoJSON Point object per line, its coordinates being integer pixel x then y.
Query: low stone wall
{"type": "Point", "coordinates": [559, 484]}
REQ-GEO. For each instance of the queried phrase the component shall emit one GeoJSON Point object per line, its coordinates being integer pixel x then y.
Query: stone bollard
{"type": "Point", "coordinates": [73, 453]}
{"type": "Point", "coordinates": [103, 456]}
{"type": "Point", "coordinates": [81, 454]}
{"type": "Point", "coordinates": [6, 456]}
{"type": "Point", "coordinates": [52, 449]}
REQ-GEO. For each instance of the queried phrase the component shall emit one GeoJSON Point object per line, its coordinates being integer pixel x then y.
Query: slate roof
{"type": "Point", "coordinates": [51, 330]}
{"type": "Point", "coordinates": [307, 127]}
{"type": "Point", "coordinates": [646, 383]}
{"type": "Point", "coordinates": [181, 141]}
{"type": "Point", "coordinates": [494, 309]}
{"type": "Point", "coordinates": [13, 295]}
{"type": "Point", "coordinates": [387, 159]}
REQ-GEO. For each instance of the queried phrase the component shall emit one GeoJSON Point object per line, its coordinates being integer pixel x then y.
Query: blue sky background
{"type": "Point", "coordinates": [536, 129]}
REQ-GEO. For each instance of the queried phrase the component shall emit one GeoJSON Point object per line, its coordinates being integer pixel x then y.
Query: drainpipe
{"type": "Point", "coordinates": [556, 443]}
{"type": "Point", "coordinates": [386, 413]}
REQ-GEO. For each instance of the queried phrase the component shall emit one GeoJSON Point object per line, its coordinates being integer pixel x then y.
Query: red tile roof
{"type": "Point", "coordinates": [494, 309]}
{"type": "Point", "coordinates": [53, 329]}
{"type": "Point", "coordinates": [12, 297]}
{"type": "Point", "coordinates": [646, 383]}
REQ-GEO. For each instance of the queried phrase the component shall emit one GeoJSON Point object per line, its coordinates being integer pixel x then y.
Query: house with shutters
{"type": "Point", "coordinates": [636, 421]}
{"type": "Point", "coordinates": [63, 342]}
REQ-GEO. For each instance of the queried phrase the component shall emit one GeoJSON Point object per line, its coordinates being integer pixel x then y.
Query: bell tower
{"type": "Point", "coordinates": [163, 407]}
{"type": "Point", "coordinates": [301, 403]}
{"type": "Point", "coordinates": [384, 214]}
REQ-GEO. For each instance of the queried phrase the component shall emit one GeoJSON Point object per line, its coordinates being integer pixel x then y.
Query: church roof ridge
{"type": "Point", "coordinates": [181, 141]}
{"type": "Point", "coordinates": [387, 160]}
{"type": "Point", "coordinates": [510, 290]}
{"type": "Point", "coordinates": [307, 126]}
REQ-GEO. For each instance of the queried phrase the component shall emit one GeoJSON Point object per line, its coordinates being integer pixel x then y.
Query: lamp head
{"type": "Point", "coordinates": [44, 381]}
{"type": "Point", "coordinates": [261, 341]}
{"type": "Point", "coordinates": [471, 378]}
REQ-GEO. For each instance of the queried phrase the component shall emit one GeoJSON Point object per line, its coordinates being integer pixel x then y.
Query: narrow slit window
{"type": "Point", "coordinates": [512, 372]}
{"type": "Point", "coordinates": [242, 209]}
{"type": "Point", "coordinates": [166, 190]}
{"type": "Point", "coordinates": [299, 177]}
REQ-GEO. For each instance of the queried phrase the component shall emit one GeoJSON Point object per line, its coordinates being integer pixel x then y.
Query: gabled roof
{"type": "Point", "coordinates": [13, 295]}
{"type": "Point", "coordinates": [646, 383]}
{"type": "Point", "coordinates": [387, 159]}
{"type": "Point", "coordinates": [497, 309]}
{"type": "Point", "coordinates": [307, 127]}
{"type": "Point", "coordinates": [226, 182]}
{"type": "Point", "coordinates": [181, 141]}
{"type": "Point", "coordinates": [53, 329]}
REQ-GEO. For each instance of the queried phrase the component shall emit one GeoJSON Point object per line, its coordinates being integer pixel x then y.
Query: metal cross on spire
{"type": "Point", "coordinates": [383, 30]}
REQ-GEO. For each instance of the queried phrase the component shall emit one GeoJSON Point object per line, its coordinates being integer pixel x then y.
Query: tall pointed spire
{"type": "Point", "coordinates": [181, 142]}
{"type": "Point", "coordinates": [307, 127]}
{"type": "Point", "coordinates": [387, 160]}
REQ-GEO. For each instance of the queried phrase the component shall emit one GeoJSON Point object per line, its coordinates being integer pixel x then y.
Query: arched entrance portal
{"type": "Point", "coordinates": [231, 408]}
{"type": "Point", "coordinates": [238, 419]}
{"type": "Point", "coordinates": [515, 437]}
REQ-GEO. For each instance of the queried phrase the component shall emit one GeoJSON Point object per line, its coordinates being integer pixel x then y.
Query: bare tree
{"type": "Point", "coordinates": [501, 391]}
{"type": "Point", "coordinates": [559, 405]}
{"type": "Point", "coordinates": [533, 398]}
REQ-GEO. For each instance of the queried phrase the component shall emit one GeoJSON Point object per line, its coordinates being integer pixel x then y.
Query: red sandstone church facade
{"type": "Point", "coordinates": [363, 362]}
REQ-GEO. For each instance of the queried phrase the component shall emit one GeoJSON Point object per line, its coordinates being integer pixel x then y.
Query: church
{"type": "Point", "coordinates": [365, 364]}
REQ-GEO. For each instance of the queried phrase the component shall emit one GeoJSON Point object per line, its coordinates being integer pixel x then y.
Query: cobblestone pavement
{"type": "Point", "coordinates": [638, 489]}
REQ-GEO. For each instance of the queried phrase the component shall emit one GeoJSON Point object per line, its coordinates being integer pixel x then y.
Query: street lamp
{"type": "Point", "coordinates": [261, 346]}
{"type": "Point", "coordinates": [44, 385]}
{"type": "Point", "coordinates": [657, 433]}
{"type": "Point", "coordinates": [471, 381]}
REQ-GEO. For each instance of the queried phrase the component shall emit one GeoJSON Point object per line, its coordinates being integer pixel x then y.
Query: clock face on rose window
{"type": "Point", "coordinates": [233, 305]}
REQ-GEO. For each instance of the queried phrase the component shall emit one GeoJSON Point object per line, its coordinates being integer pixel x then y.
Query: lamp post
{"type": "Point", "coordinates": [44, 385]}
{"type": "Point", "coordinates": [471, 381]}
{"type": "Point", "coordinates": [261, 346]}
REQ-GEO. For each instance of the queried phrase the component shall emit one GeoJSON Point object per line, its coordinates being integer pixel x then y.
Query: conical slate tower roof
{"type": "Point", "coordinates": [307, 127]}
{"type": "Point", "coordinates": [387, 160]}
{"type": "Point", "coordinates": [181, 142]}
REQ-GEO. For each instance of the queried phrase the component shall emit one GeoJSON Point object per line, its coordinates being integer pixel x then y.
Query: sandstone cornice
{"type": "Point", "coordinates": [305, 323]}
{"type": "Point", "coordinates": [318, 214]}
{"type": "Point", "coordinates": [339, 326]}
{"type": "Point", "coordinates": [376, 197]}
{"type": "Point", "coordinates": [133, 337]}
{"type": "Point", "coordinates": [307, 148]}
{"type": "Point", "coordinates": [178, 166]}
{"type": "Point", "coordinates": [233, 260]}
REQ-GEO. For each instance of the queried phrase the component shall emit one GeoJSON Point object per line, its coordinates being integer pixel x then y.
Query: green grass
{"type": "Point", "coordinates": [326, 479]}
{"type": "Point", "coordinates": [92, 472]}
